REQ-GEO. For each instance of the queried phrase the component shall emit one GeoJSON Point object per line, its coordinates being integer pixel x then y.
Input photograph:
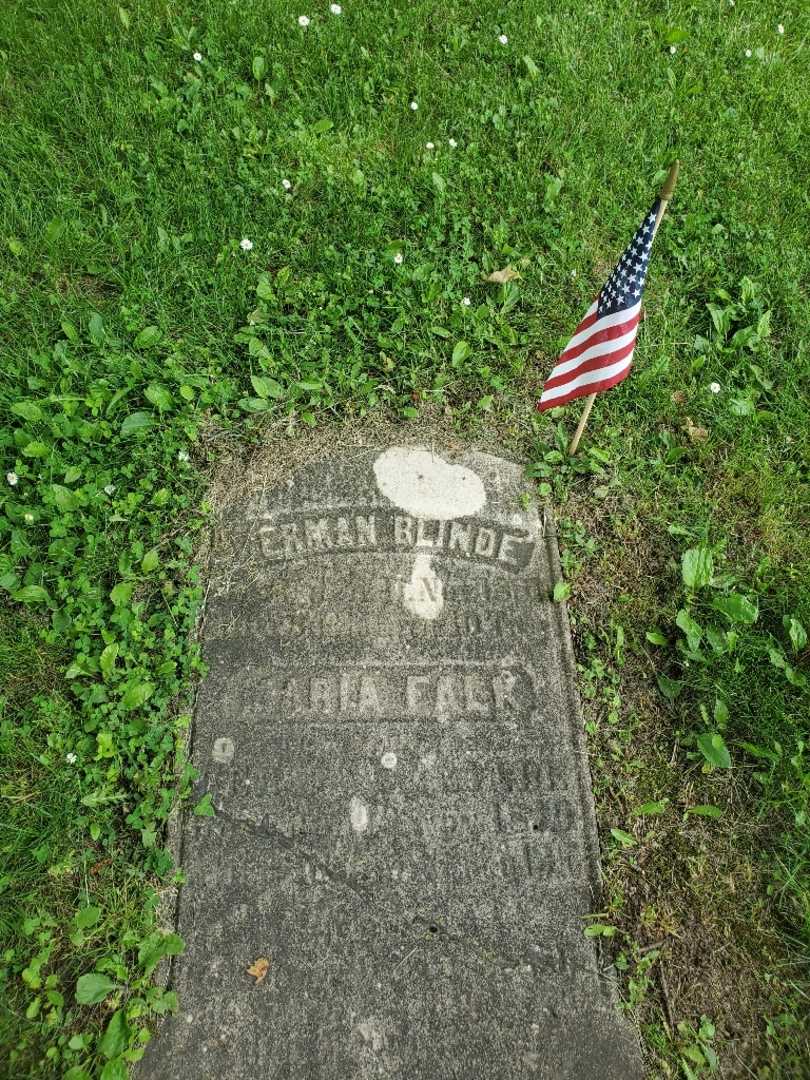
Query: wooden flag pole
{"type": "Point", "coordinates": [666, 193]}
{"type": "Point", "coordinates": [665, 196]}
{"type": "Point", "coordinates": [583, 420]}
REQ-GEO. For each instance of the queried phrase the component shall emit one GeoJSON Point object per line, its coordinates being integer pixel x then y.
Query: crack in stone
{"type": "Point", "coordinates": [264, 829]}
{"type": "Point", "coordinates": [428, 925]}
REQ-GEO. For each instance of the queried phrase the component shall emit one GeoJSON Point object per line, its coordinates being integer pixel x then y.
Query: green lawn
{"type": "Point", "coordinates": [140, 336]}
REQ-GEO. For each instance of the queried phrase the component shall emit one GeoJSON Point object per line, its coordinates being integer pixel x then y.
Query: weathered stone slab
{"type": "Point", "coordinates": [390, 736]}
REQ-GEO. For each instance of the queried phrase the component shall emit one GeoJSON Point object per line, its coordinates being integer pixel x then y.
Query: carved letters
{"type": "Point", "coordinates": [336, 533]}
{"type": "Point", "coordinates": [419, 692]}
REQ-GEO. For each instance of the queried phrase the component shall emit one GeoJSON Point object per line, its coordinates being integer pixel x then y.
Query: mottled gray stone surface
{"type": "Point", "coordinates": [390, 735]}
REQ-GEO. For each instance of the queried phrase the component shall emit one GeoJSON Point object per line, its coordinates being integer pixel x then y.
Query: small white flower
{"type": "Point", "coordinates": [504, 40]}
{"type": "Point", "coordinates": [198, 57]}
{"type": "Point", "coordinates": [29, 518]}
{"type": "Point", "coordinates": [182, 455]}
{"type": "Point", "coordinates": [430, 146]}
{"type": "Point", "coordinates": [715, 387]}
{"type": "Point", "coordinates": [414, 106]}
{"type": "Point", "coordinates": [286, 184]}
{"type": "Point", "coordinates": [399, 258]}
{"type": "Point", "coordinates": [466, 301]}
{"type": "Point", "coordinates": [110, 489]}
{"type": "Point", "coordinates": [303, 20]}
{"type": "Point", "coordinates": [747, 54]}
{"type": "Point", "coordinates": [246, 245]}
{"type": "Point", "coordinates": [573, 273]}
{"type": "Point", "coordinates": [336, 9]}
{"type": "Point", "coordinates": [452, 143]}
{"type": "Point", "coordinates": [12, 478]}
{"type": "Point", "coordinates": [780, 29]}
{"type": "Point", "coordinates": [71, 758]}
{"type": "Point", "coordinates": [672, 50]}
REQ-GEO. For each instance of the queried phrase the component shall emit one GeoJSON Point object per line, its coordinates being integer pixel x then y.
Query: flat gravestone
{"type": "Point", "coordinates": [403, 834]}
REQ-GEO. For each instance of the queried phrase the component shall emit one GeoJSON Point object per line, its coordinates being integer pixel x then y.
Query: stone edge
{"type": "Point", "coordinates": [607, 971]}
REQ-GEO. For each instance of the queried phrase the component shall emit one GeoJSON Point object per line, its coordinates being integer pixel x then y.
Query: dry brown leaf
{"type": "Point", "coordinates": [679, 398]}
{"type": "Point", "coordinates": [696, 434]}
{"type": "Point", "coordinates": [259, 968]}
{"type": "Point", "coordinates": [500, 277]}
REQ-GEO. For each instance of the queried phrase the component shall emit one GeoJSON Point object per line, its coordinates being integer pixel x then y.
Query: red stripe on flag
{"type": "Point", "coordinates": [604, 359]}
{"type": "Point", "coordinates": [587, 322]}
{"type": "Point", "coordinates": [585, 391]}
{"type": "Point", "coordinates": [598, 337]}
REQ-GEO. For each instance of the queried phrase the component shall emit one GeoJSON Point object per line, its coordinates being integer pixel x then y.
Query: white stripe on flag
{"type": "Point", "coordinates": [601, 324]}
{"type": "Point", "coordinates": [602, 348]}
{"type": "Point", "coordinates": [588, 378]}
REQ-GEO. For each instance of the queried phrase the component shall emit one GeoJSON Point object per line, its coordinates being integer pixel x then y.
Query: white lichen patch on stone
{"type": "Point", "coordinates": [389, 760]}
{"type": "Point", "coordinates": [358, 815]}
{"type": "Point", "coordinates": [429, 488]}
{"type": "Point", "coordinates": [423, 595]}
{"type": "Point", "coordinates": [371, 1034]}
{"type": "Point", "coordinates": [426, 486]}
{"type": "Point", "coordinates": [223, 750]}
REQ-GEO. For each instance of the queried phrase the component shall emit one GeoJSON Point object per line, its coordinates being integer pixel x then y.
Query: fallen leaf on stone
{"type": "Point", "coordinates": [696, 434]}
{"type": "Point", "coordinates": [679, 398]}
{"type": "Point", "coordinates": [500, 277]}
{"type": "Point", "coordinates": [259, 968]}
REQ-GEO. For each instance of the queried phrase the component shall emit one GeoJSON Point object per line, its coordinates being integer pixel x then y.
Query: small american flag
{"type": "Point", "coordinates": [600, 353]}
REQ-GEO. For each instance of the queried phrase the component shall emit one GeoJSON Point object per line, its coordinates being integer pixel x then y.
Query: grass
{"type": "Point", "coordinates": [135, 327]}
